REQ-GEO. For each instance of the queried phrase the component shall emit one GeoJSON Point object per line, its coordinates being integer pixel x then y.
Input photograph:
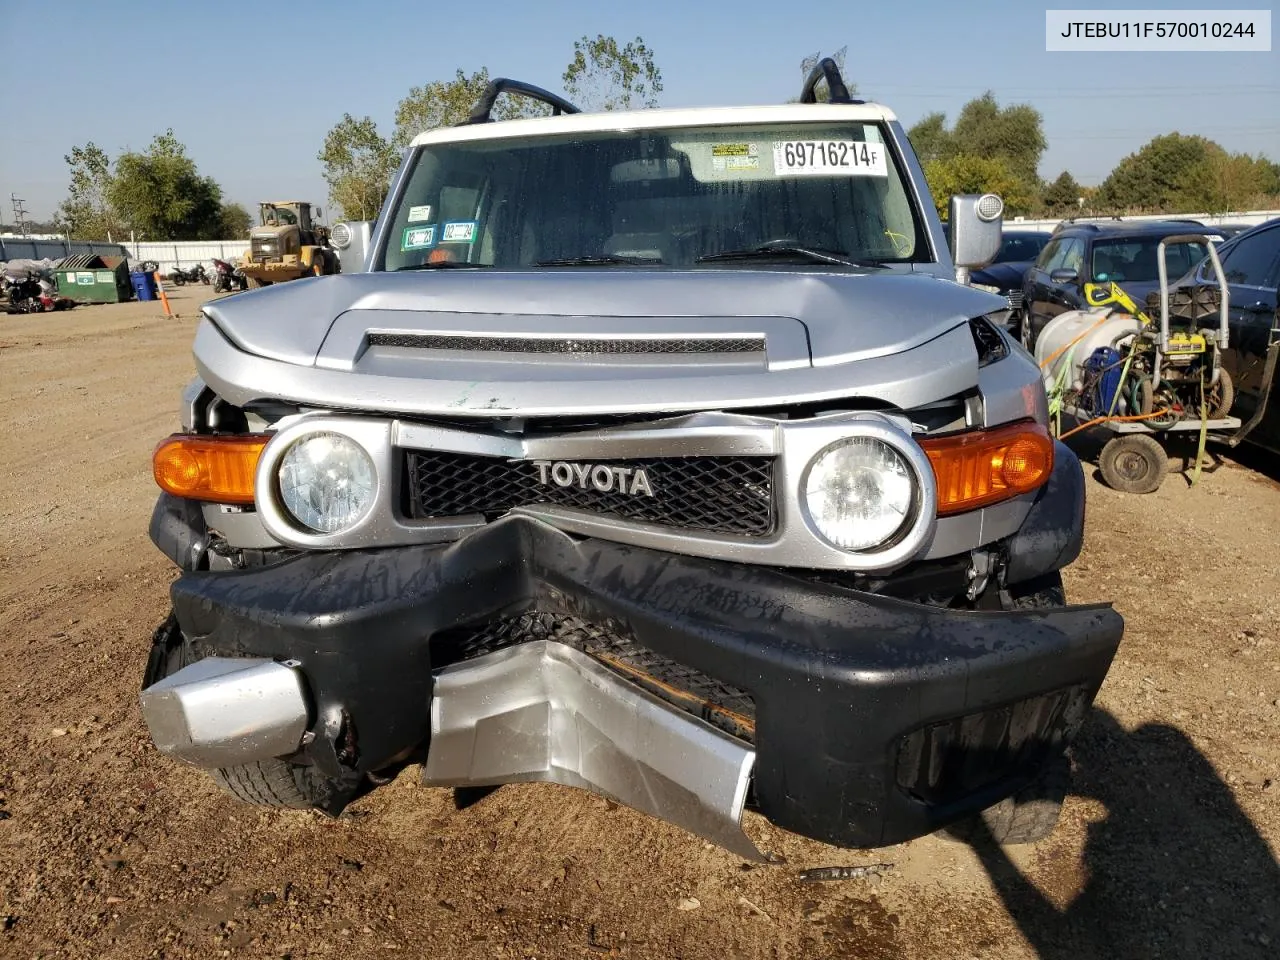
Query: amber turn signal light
{"type": "Point", "coordinates": [983, 467]}
{"type": "Point", "coordinates": [215, 469]}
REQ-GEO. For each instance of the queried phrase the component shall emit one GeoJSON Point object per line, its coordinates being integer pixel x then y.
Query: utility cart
{"type": "Point", "coordinates": [1147, 382]}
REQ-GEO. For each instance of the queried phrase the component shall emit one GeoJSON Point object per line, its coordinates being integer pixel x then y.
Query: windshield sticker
{"type": "Point", "coordinates": [420, 214]}
{"type": "Point", "coordinates": [459, 231]}
{"type": "Point", "coordinates": [850, 158]}
{"type": "Point", "coordinates": [735, 156]}
{"type": "Point", "coordinates": [418, 238]}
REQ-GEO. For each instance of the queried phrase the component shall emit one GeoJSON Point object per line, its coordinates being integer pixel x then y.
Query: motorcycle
{"type": "Point", "coordinates": [23, 294]}
{"type": "Point", "coordinates": [32, 294]}
{"type": "Point", "coordinates": [196, 274]}
{"type": "Point", "coordinates": [227, 276]}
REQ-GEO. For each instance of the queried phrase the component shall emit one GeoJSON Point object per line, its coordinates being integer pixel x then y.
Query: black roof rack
{"type": "Point", "coordinates": [837, 91]}
{"type": "Point", "coordinates": [480, 113]}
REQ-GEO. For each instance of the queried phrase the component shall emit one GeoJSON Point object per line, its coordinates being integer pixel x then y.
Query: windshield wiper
{"type": "Point", "coordinates": [602, 259]}
{"type": "Point", "coordinates": [840, 257]}
{"type": "Point", "coordinates": [441, 265]}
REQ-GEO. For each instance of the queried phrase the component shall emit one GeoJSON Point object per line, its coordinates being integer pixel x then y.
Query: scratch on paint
{"type": "Point", "coordinates": [466, 393]}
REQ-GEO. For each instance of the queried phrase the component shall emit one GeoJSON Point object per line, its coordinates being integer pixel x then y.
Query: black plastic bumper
{"type": "Point", "coordinates": [877, 720]}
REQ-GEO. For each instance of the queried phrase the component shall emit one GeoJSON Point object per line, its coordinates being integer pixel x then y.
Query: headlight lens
{"type": "Point", "coordinates": [860, 493]}
{"type": "Point", "coordinates": [326, 482]}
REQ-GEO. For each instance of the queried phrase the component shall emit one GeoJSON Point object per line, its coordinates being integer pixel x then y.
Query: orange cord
{"type": "Point", "coordinates": [1066, 346]}
{"type": "Point", "coordinates": [1096, 420]}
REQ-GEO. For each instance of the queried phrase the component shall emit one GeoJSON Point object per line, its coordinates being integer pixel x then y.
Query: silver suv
{"type": "Point", "coordinates": [664, 454]}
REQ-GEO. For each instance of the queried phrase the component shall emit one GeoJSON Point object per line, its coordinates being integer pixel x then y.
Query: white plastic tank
{"type": "Point", "coordinates": [1094, 328]}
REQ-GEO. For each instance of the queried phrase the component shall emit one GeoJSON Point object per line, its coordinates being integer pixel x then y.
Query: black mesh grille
{"type": "Point", "coordinates": [569, 345]}
{"type": "Point", "coordinates": [727, 707]}
{"type": "Point", "coordinates": [732, 495]}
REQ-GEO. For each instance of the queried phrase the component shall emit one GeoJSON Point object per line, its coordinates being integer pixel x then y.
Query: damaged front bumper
{"type": "Point", "coordinates": [687, 688]}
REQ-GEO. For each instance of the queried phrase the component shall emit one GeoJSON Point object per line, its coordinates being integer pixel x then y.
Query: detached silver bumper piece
{"type": "Point", "coordinates": [223, 711]}
{"type": "Point", "coordinates": [545, 712]}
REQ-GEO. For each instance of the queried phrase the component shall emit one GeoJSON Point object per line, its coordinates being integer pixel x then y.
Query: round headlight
{"type": "Point", "coordinates": [860, 493]}
{"type": "Point", "coordinates": [327, 482]}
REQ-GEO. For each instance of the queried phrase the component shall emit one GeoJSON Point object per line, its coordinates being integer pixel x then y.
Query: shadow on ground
{"type": "Point", "coordinates": [1175, 869]}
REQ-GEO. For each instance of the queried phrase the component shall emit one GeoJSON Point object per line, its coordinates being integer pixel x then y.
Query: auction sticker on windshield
{"type": "Point", "coordinates": [418, 238]}
{"type": "Point", "coordinates": [459, 231]}
{"type": "Point", "coordinates": [851, 158]}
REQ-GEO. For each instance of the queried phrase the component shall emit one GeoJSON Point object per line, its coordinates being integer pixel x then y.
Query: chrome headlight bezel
{"type": "Point", "coordinates": [911, 536]}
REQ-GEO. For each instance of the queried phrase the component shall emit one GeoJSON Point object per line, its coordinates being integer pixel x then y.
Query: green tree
{"type": "Point", "coordinates": [1225, 182]}
{"type": "Point", "coordinates": [984, 133]}
{"type": "Point", "coordinates": [160, 194]}
{"type": "Point", "coordinates": [234, 222]}
{"type": "Point", "coordinates": [930, 138]}
{"type": "Point", "coordinates": [1013, 134]}
{"type": "Point", "coordinates": [1159, 176]}
{"type": "Point", "coordinates": [965, 173]}
{"type": "Point", "coordinates": [358, 164]}
{"type": "Point", "coordinates": [87, 213]}
{"type": "Point", "coordinates": [1061, 195]}
{"type": "Point", "coordinates": [440, 103]}
{"type": "Point", "coordinates": [603, 76]}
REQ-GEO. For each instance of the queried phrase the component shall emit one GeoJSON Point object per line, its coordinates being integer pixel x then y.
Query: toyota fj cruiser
{"type": "Point", "coordinates": [664, 454]}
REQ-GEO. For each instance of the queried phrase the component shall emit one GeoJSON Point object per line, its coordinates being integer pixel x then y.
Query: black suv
{"type": "Point", "coordinates": [1121, 251]}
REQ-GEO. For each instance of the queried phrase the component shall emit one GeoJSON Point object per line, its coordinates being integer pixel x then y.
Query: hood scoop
{"type": "Point", "coordinates": [474, 347]}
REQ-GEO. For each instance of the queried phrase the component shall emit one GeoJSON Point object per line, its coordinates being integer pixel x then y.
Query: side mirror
{"type": "Point", "coordinates": [977, 228]}
{"type": "Point", "coordinates": [1064, 275]}
{"type": "Point", "coordinates": [351, 240]}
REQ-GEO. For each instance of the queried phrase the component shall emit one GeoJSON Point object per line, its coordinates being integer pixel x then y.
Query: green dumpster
{"type": "Point", "coordinates": [91, 278]}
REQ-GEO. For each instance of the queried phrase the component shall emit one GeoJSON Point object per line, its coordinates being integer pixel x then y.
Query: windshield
{"type": "Point", "coordinates": [1136, 260]}
{"type": "Point", "coordinates": [660, 197]}
{"type": "Point", "coordinates": [271, 216]}
{"type": "Point", "coordinates": [1021, 248]}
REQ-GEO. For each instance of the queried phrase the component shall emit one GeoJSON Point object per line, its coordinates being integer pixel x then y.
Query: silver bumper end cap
{"type": "Point", "coordinates": [225, 711]}
{"type": "Point", "coordinates": [544, 712]}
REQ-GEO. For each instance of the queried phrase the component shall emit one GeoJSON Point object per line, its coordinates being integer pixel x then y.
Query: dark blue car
{"type": "Point", "coordinates": [1019, 249]}
{"type": "Point", "coordinates": [1251, 267]}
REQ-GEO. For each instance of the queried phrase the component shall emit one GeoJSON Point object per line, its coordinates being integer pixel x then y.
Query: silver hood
{"type": "Point", "coordinates": [555, 341]}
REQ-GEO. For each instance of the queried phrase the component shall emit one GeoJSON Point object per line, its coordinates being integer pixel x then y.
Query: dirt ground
{"type": "Point", "coordinates": [1168, 846]}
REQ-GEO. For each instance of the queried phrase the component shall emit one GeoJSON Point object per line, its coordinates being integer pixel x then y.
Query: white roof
{"type": "Point", "coordinates": [648, 119]}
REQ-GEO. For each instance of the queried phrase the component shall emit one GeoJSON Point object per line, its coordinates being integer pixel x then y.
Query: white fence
{"type": "Point", "coordinates": [187, 253]}
{"type": "Point", "coordinates": [1250, 217]}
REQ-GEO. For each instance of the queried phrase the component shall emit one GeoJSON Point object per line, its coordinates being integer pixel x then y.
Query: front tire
{"type": "Point", "coordinates": [265, 783]}
{"type": "Point", "coordinates": [1028, 816]}
{"type": "Point", "coordinates": [1032, 813]}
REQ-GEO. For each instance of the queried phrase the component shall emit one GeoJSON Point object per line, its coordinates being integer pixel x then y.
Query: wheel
{"type": "Point", "coordinates": [1221, 396]}
{"type": "Point", "coordinates": [176, 280]}
{"type": "Point", "coordinates": [1147, 404]}
{"type": "Point", "coordinates": [267, 783]}
{"type": "Point", "coordinates": [1031, 813]}
{"type": "Point", "coordinates": [1027, 816]}
{"type": "Point", "coordinates": [318, 268]}
{"type": "Point", "coordinates": [257, 283]}
{"type": "Point", "coordinates": [1133, 463]}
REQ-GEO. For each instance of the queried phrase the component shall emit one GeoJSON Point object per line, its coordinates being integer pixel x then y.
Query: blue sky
{"type": "Point", "coordinates": [252, 98]}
